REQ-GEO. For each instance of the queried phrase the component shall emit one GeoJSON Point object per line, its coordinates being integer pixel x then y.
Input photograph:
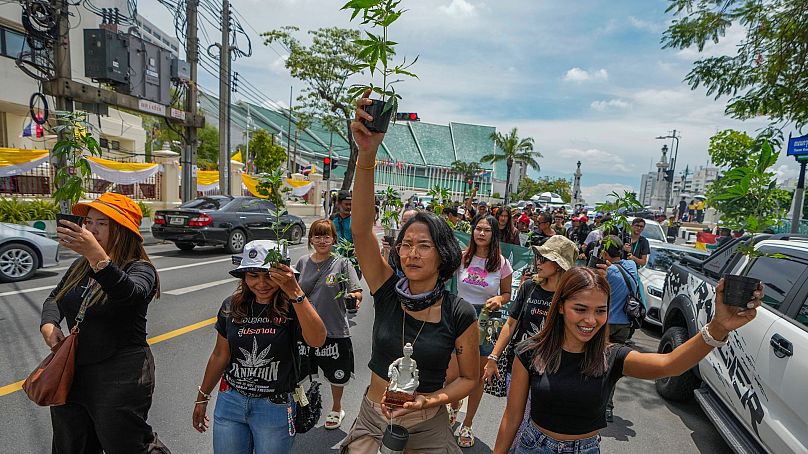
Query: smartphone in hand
{"type": "Point", "coordinates": [78, 220]}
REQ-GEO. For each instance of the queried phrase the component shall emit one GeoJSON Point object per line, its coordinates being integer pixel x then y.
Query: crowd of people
{"type": "Point", "coordinates": [565, 335]}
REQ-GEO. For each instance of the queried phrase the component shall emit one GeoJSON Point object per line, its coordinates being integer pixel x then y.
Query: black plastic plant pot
{"type": "Point", "coordinates": [394, 440]}
{"type": "Point", "coordinates": [738, 290]}
{"type": "Point", "coordinates": [78, 220]}
{"type": "Point", "coordinates": [381, 119]}
{"type": "Point", "coordinates": [594, 261]}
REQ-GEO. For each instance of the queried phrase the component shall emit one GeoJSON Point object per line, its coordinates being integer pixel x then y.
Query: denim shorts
{"type": "Point", "coordinates": [534, 441]}
{"type": "Point", "coordinates": [246, 424]}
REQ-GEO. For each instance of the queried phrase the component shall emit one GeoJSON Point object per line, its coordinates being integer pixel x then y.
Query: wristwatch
{"type": "Point", "coordinates": [298, 299]}
{"type": "Point", "coordinates": [100, 265]}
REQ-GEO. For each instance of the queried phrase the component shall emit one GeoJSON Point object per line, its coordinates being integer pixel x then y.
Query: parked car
{"type": "Point", "coordinates": [23, 250]}
{"type": "Point", "coordinates": [652, 275]}
{"type": "Point", "coordinates": [225, 221]}
{"type": "Point", "coordinates": [753, 389]}
{"type": "Point", "coordinates": [653, 231]}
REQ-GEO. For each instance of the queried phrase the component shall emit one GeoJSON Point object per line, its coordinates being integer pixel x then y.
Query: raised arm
{"type": "Point", "coordinates": [514, 409]}
{"type": "Point", "coordinates": [373, 266]}
{"type": "Point", "coordinates": [727, 318]}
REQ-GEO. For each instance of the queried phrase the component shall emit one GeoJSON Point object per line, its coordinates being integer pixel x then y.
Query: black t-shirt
{"type": "Point", "coordinates": [535, 302]}
{"type": "Point", "coordinates": [260, 350]}
{"type": "Point", "coordinates": [640, 248]}
{"type": "Point", "coordinates": [115, 323]}
{"type": "Point", "coordinates": [567, 401]}
{"type": "Point", "coordinates": [435, 344]}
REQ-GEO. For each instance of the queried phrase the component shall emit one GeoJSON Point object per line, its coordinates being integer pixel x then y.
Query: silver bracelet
{"type": "Point", "coordinates": [710, 340]}
{"type": "Point", "coordinates": [493, 357]}
{"type": "Point", "coordinates": [206, 395]}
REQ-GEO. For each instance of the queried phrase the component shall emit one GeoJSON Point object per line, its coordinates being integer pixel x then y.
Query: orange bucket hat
{"type": "Point", "coordinates": [117, 207]}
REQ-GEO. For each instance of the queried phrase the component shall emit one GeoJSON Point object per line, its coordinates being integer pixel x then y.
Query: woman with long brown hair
{"type": "Point", "coordinates": [108, 290]}
{"type": "Point", "coordinates": [569, 368]}
{"type": "Point", "coordinates": [258, 328]}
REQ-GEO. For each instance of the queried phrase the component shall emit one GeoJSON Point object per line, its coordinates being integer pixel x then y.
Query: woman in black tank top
{"type": "Point", "coordinates": [569, 368]}
{"type": "Point", "coordinates": [414, 309]}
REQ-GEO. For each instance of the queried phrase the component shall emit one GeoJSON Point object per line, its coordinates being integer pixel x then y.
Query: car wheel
{"type": "Point", "coordinates": [235, 241]}
{"type": "Point", "coordinates": [185, 246]}
{"type": "Point", "coordinates": [17, 262]}
{"type": "Point", "coordinates": [678, 388]}
{"type": "Point", "coordinates": [296, 234]}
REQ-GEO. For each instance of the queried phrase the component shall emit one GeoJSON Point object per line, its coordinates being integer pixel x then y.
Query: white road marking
{"type": "Point", "coordinates": [188, 265]}
{"type": "Point", "coordinates": [193, 288]}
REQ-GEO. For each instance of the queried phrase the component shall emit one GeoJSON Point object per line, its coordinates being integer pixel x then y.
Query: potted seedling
{"type": "Point", "coordinates": [271, 186]}
{"type": "Point", "coordinates": [750, 183]}
{"type": "Point", "coordinates": [440, 199]}
{"type": "Point", "coordinates": [375, 55]}
{"type": "Point", "coordinates": [618, 222]}
{"type": "Point", "coordinates": [77, 137]}
{"type": "Point", "coordinates": [390, 206]}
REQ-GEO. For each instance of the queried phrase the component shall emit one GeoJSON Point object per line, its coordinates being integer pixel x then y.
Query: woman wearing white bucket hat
{"type": "Point", "coordinates": [257, 331]}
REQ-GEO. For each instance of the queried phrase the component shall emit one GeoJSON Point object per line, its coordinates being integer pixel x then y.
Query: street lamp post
{"type": "Point", "coordinates": [674, 158]}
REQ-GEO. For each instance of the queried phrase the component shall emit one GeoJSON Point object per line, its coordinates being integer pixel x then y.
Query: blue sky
{"type": "Point", "coordinates": [586, 79]}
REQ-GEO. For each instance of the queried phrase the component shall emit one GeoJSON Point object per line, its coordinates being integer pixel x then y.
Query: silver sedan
{"type": "Point", "coordinates": [23, 250]}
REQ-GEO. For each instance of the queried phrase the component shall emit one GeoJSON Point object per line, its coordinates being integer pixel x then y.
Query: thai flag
{"type": "Point", "coordinates": [306, 169]}
{"type": "Point", "coordinates": [39, 131]}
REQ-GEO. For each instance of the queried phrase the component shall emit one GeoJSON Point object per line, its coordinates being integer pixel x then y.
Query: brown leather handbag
{"type": "Point", "coordinates": [49, 384]}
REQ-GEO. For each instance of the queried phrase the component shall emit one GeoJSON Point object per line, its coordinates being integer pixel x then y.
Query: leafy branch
{"type": "Point", "coordinates": [618, 222]}
{"type": "Point", "coordinates": [77, 136]}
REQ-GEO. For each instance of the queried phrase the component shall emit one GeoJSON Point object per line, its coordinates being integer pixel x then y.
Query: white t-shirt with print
{"type": "Point", "coordinates": [475, 284]}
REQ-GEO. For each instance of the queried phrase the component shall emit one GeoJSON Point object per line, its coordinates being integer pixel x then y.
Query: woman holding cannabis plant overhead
{"type": "Point", "coordinates": [414, 310]}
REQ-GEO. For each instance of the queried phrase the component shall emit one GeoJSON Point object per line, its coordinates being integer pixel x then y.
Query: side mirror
{"type": "Point", "coordinates": [671, 239]}
{"type": "Point", "coordinates": [284, 213]}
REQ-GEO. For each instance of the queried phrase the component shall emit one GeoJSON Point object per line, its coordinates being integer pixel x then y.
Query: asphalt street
{"type": "Point", "coordinates": [181, 332]}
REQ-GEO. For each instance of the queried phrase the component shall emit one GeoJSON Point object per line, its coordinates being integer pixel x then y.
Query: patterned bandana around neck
{"type": "Point", "coordinates": [416, 303]}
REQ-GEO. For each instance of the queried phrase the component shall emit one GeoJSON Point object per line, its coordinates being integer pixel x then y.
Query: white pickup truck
{"type": "Point", "coordinates": [755, 389]}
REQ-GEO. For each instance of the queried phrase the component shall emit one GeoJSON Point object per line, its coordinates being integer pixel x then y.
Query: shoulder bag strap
{"type": "Point", "coordinates": [527, 295]}
{"type": "Point", "coordinates": [631, 290]}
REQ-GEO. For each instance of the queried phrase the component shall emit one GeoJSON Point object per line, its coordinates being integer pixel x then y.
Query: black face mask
{"type": "Point", "coordinates": [417, 303]}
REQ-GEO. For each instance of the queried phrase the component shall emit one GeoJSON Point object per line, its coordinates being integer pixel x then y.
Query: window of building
{"type": "Point", "coordinates": [12, 43]}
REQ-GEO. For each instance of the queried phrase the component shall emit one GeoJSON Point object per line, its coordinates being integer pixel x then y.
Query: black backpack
{"type": "Point", "coordinates": [634, 308]}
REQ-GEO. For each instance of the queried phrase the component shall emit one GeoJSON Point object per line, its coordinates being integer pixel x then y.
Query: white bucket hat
{"type": "Point", "coordinates": [254, 255]}
{"type": "Point", "coordinates": [560, 250]}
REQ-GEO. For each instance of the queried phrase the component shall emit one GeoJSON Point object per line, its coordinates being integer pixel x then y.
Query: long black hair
{"type": "Point", "coordinates": [442, 236]}
{"type": "Point", "coordinates": [493, 262]}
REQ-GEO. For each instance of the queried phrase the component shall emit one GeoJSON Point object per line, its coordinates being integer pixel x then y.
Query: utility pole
{"type": "Point", "coordinates": [224, 98]}
{"type": "Point", "coordinates": [289, 135]}
{"type": "Point", "coordinates": [247, 160]}
{"type": "Point", "coordinates": [63, 103]}
{"type": "Point", "coordinates": [189, 150]}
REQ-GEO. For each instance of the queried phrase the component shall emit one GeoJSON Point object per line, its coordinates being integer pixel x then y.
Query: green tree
{"type": "Point", "coordinates": [207, 154]}
{"type": "Point", "coordinates": [746, 195]}
{"type": "Point", "coordinates": [267, 155]}
{"type": "Point", "coordinates": [324, 66]}
{"type": "Point", "coordinates": [767, 73]}
{"type": "Point", "coordinates": [467, 170]}
{"type": "Point", "coordinates": [510, 148]}
{"type": "Point", "coordinates": [529, 187]}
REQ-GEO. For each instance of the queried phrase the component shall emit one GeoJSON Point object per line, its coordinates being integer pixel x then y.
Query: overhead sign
{"type": "Point", "coordinates": [151, 107]}
{"type": "Point", "coordinates": [797, 146]}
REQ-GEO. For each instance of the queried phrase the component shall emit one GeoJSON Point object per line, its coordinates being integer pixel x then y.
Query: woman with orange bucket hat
{"type": "Point", "coordinates": [107, 289]}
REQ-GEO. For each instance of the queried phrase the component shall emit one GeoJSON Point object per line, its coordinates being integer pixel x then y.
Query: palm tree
{"type": "Point", "coordinates": [512, 149]}
{"type": "Point", "coordinates": [467, 170]}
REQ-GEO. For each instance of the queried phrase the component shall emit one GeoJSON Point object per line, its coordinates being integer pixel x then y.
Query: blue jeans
{"type": "Point", "coordinates": [247, 425]}
{"type": "Point", "coordinates": [534, 441]}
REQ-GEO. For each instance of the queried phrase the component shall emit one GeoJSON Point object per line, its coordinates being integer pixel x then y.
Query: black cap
{"type": "Point", "coordinates": [343, 195]}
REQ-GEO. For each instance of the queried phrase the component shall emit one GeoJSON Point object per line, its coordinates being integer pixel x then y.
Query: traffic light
{"type": "Point", "coordinates": [326, 168]}
{"type": "Point", "coordinates": [669, 176]}
{"type": "Point", "coordinates": [407, 116]}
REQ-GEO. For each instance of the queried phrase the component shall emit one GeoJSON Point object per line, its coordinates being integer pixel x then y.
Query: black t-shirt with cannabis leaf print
{"type": "Point", "coordinates": [533, 303]}
{"type": "Point", "coordinates": [260, 351]}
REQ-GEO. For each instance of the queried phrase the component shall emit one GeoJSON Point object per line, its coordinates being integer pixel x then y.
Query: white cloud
{"type": "Point", "coordinates": [598, 192]}
{"type": "Point", "coordinates": [596, 159]}
{"type": "Point", "coordinates": [581, 75]}
{"type": "Point", "coordinates": [611, 104]}
{"type": "Point", "coordinates": [459, 8]}
{"type": "Point", "coordinates": [646, 25]}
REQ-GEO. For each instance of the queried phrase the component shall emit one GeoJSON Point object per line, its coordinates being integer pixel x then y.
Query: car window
{"type": "Point", "coordinates": [252, 206]}
{"type": "Point", "coordinates": [202, 204]}
{"type": "Point", "coordinates": [778, 277]}
{"type": "Point", "coordinates": [654, 232]}
{"type": "Point", "coordinates": [802, 315]}
{"type": "Point", "coordinates": [661, 259]}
